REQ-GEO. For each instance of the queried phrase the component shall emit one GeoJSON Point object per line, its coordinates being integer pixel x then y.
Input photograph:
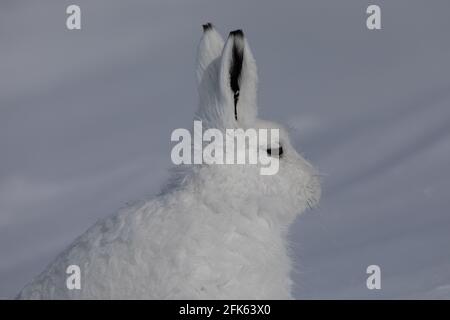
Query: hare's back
{"type": "Point", "coordinates": [116, 258]}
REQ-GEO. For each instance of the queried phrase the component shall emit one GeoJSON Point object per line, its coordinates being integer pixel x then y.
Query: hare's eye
{"type": "Point", "coordinates": [275, 152]}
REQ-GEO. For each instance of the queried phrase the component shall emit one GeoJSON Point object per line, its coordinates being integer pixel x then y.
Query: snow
{"type": "Point", "coordinates": [86, 117]}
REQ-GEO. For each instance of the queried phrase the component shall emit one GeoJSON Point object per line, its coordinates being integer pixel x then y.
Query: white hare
{"type": "Point", "coordinates": [217, 231]}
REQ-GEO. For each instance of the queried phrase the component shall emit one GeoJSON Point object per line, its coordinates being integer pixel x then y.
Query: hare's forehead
{"type": "Point", "coordinates": [270, 126]}
{"type": "Point", "coordinates": [274, 132]}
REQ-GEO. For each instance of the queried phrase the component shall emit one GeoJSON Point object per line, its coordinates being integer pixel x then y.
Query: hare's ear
{"type": "Point", "coordinates": [210, 48]}
{"type": "Point", "coordinates": [238, 78]}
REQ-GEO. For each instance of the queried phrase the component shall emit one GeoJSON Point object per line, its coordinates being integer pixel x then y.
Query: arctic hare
{"type": "Point", "coordinates": [217, 231]}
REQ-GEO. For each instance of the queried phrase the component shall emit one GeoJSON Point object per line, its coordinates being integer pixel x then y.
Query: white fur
{"type": "Point", "coordinates": [215, 232]}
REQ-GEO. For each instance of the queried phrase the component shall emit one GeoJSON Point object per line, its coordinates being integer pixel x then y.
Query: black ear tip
{"type": "Point", "coordinates": [237, 33]}
{"type": "Point", "coordinates": [207, 26]}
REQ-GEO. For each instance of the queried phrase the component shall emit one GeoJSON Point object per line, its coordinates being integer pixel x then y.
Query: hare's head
{"type": "Point", "coordinates": [227, 81]}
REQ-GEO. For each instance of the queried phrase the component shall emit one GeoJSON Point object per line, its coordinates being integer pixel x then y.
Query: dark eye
{"type": "Point", "coordinates": [275, 152]}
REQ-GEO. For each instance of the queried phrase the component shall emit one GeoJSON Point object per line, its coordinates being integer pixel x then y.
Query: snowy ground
{"type": "Point", "coordinates": [86, 117]}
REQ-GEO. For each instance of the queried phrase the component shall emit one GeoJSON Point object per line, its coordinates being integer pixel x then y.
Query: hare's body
{"type": "Point", "coordinates": [181, 245]}
{"type": "Point", "coordinates": [217, 232]}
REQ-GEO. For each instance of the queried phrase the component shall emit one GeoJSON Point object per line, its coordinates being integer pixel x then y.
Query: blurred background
{"type": "Point", "coordinates": [86, 118]}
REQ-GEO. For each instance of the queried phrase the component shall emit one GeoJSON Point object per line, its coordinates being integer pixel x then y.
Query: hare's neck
{"type": "Point", "coordinates": [226, 195]}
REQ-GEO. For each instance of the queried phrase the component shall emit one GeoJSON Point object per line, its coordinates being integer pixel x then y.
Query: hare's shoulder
{"type": "Point", "coordinates": [117, 230]}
